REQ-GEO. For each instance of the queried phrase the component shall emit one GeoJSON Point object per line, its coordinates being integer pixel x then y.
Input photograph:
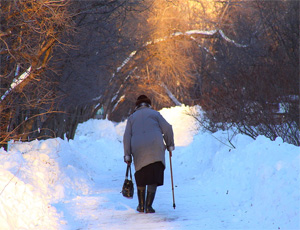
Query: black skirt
{"type": "Point", "coordinates": [150, 174]}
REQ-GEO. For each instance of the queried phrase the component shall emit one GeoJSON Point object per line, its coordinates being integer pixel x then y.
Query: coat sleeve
{"type": "Point", "coordinates": [127, 141]}
{"type": "Point", "coordinates": [167, 131]}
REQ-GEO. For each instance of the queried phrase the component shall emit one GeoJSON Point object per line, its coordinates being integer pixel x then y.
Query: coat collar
{"type": "Point", "coordinates": [142, 105]}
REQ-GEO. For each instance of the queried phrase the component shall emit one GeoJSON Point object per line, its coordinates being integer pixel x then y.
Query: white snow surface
{"type": "Point", "coordinates": [76, 184]}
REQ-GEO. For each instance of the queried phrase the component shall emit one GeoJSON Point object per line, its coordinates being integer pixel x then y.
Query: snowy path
{"type": "Point", "coordinates": [196, 206]}
{"type": "Point", "coordinates": [105, 208]}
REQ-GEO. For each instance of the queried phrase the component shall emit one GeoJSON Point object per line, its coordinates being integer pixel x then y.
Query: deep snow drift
{"type": "Point", "coordinates": [76, 184]}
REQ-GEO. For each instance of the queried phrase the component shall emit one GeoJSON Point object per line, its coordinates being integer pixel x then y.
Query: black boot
{"type": "Point", "coordinates": [149, 201]}
{"type": "Point", "coordinates": [141, 198]}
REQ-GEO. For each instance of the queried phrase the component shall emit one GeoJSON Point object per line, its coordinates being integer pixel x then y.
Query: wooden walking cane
{"type": "Point", "coordinates": [170, 154]}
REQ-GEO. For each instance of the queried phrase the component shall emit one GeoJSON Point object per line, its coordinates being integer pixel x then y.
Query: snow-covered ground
{"type": "Point", "coordinates": [76, 184]}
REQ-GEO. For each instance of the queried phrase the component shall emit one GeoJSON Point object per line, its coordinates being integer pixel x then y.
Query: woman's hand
{"type": "Point", "coordinates": [127, 160]}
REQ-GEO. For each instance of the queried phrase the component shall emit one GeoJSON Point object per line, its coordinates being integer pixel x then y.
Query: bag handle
{"type": "Point", "coordinates": [128, 170]}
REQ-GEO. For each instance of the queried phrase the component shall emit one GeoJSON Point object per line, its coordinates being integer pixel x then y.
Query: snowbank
{"type": "Point", "coordinates": [28, 183]}
{"type": "Point", "coordinates": [184, 125]}
{"type": "Point", "coordinates": [59, 184]}
{"type": "Point", "coordinates": [259, 179]}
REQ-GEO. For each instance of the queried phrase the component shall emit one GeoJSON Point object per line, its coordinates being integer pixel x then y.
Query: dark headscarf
{"type": "Point", "coordinates": [142, 99]}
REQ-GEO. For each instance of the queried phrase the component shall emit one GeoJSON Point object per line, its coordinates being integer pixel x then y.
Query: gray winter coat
{"type": "Point", "coordinates": [145, 133]}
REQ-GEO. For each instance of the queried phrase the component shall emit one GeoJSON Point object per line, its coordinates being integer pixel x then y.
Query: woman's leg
{"type": "Point", "coordinates": [151, 190]}
{"type": "Point", "coordinates": [141, 198]}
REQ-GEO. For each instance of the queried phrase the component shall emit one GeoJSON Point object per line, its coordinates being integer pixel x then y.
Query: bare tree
{"type": "Point", "coordinates": [47, 88]}
{"type": "Point", "coordinates": [256, 88]}
{"type": "Point", "coordinates": [29, 30]}
{"type": "Point", "coordinates": [166, 65]}
{"type": "Point", "coordinates": [233, 60]}
{"type": "Point", "coordinates": [231, 57]}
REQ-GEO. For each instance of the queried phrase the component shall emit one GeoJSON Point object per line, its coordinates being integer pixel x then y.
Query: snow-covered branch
{"type": "Point", "coordinates": [230, 40]}
{"type": "Point", "coordinates": [121, 99]}
{"type": "Point", "coordinates": [171, 96]}
{"type": "Point", "coordinates": [16, 82]}
{"type": "Point", "coordinates": [189, 34]}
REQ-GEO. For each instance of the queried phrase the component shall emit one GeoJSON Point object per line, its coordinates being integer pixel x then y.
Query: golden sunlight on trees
{"type": "Point", "coordinates": [171, 56]}
{"type": "Point", "coordinates": [174, 63]}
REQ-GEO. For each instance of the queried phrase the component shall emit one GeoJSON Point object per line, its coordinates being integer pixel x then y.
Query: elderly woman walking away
{"type": "Point", "coordinates": [147, 136]}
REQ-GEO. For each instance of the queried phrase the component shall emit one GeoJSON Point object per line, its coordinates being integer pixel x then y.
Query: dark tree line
{"type": "Point", "coordinates": [239, 60]}
{"type": "Point", "coordinates": [256, 89]}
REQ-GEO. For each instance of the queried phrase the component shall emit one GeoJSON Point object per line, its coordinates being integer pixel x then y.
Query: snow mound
{"type": "Point", "coordinates": [28, 179]}
{"type": "Point", "coordinates": [183, 123]}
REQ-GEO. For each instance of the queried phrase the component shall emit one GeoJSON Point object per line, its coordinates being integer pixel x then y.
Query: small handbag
{"type": "Point", "coordinates": [127, 190]}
